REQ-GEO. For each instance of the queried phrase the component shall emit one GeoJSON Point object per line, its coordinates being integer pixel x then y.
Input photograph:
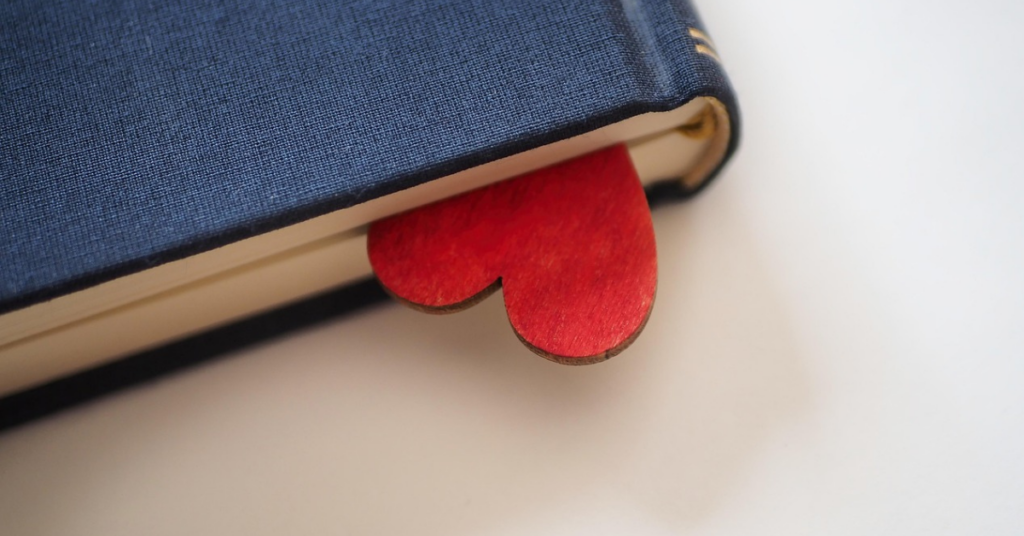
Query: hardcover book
{"type": "Point", "coordinates": [167, 169]}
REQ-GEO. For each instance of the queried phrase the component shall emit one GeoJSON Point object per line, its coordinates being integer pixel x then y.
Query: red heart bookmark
{"type": "Point", "coordinates": [572, 246]}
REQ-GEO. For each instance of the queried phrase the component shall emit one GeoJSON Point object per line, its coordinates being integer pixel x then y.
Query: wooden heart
{"type": "Point", "coordinates": [572, 245]}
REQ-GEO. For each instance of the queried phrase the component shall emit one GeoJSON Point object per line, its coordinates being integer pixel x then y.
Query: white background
{"type": "Point", "coordinates": [837, 345]}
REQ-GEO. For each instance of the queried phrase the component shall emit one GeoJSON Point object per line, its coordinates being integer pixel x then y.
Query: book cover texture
{"type": "Point", "coordinates": [134, 133]}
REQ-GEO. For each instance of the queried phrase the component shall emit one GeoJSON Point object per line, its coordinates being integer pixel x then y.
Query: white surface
{"type": "Point", "coordinates": [836, 346]}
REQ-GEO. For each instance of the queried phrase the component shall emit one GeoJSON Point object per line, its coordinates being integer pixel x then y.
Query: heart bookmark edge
{"type": "Point", "coordinates": [555, 358]}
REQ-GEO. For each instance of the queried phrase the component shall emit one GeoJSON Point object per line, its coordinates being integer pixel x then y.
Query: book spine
{"type": "Point", "coordinates": [674, 60]}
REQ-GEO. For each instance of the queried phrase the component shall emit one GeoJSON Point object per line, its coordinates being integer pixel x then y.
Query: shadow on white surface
{"type": "Point", "coordinates": [398, 422]}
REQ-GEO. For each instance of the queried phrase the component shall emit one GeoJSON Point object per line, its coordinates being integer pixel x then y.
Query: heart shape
{"type": "Point", "coordinates": [572, 245]}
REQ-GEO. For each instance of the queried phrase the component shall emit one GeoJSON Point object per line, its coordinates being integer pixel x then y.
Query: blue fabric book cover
{"type": "Point", "coordinates": [134, 134]}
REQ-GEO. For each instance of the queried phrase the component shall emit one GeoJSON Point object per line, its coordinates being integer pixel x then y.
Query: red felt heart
{"type": "Point", "coordinates": [572, 245]}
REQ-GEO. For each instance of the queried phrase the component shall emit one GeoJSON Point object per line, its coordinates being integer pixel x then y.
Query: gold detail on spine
{"type": "Point", "coordinates": [708, 51]}
{"type": "Point", "coordinates": [707, 47]}
{"type": "Point", "coordinates": [701, 36]}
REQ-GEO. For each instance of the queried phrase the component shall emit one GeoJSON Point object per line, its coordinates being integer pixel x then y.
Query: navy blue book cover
{"type": "Point", "coordinates": [134, 133]}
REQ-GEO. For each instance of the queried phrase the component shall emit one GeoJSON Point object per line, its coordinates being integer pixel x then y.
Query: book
{"type": "Point", "coordinates": [167, 170]}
